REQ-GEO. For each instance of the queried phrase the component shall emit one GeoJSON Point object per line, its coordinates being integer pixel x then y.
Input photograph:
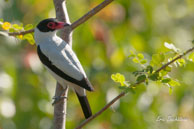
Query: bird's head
{"type": "Point", "coordinates": [47, 28]}
{"type": "Point", "coordinates": [50, 25]}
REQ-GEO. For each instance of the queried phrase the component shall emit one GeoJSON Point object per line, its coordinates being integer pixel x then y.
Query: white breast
{"type": "Point", "coordinates": [60, 54]}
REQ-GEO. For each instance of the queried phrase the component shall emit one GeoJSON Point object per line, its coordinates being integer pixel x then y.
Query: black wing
{"type": "Point", "coordinates": [84, 83]}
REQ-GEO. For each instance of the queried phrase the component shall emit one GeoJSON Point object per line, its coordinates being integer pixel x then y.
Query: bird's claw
{"type": "Point", "coordinates": [60, 97]}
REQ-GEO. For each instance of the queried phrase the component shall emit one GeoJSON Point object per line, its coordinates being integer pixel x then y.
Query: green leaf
{"type": "Point", "coordinates": [1, 23]}
{"type": "Point", "coordinates": [147, 81]}
{"type": "Point", "coordinates": [127, 89]}
{"type": "Point", "coordinates": [163, 73]}
{"type": "Point", "coordinates": [115, 77]}
{"type": "Point", "coordinates": [141, 78]}
{"type": "Point", "coordinates": [28, 27]}
{"type": "Point", "coordinates": [21, 24]}
{"type": "Point", "coordinates": [143, 61]}
{"type": "Point", "coordinates": [118, 78]}
{"type": "Point", "coordinates": [167, 69]}
{"type": "Point", "coordinates": [174, 83]}
{"type": "Point", "coordinates": [11, 30]}
{"type": "Point", "coordinates": [149, 69]}
{"type": "Point", "coordinates": [1, 20]}
{"type": "Point", "coordinates": [170, 90]}
{"type": "Point", "coordinates": [191, 57]}
{"type": "Point", "coordinates": [140, 56]}
{"type": "Point", "coordinates": [135, 60]}
{"type": "Point", "coordinates": [181, 62]}
{"type": "Point", "coordinates": [132, 54]}
{"type": "Point", "coordinates": [166, 80]}
{"type": "Point", "coordinates": [29, 38]}
{"type": "Point", "coordinates": [154, 77]}
{"type": "Point", "coordinates": [17, 27]}
{"type": "Point", "coordinates": [136, 73]}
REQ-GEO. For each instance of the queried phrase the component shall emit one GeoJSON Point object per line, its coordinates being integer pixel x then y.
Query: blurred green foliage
{"type": "Point", "coordinates": [148, 73]}
{"type": "Point", "coordinates": [103, 45]}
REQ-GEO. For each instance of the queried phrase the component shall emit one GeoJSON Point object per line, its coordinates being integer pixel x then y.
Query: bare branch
{"type": "Point", "coordinates": [62, 15]}
{"type": "Point", "coordinates": [90, 14]}
{"type": "Point", "coordinates": [101, 111]}
{"type": "Point", "coordinates": [60, 107]}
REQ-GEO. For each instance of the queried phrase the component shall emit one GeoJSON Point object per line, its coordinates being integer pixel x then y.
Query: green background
{"type": "Point", "coordinates": [102, 44]}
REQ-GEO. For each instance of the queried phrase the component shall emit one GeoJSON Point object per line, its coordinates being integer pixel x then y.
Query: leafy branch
{"type": "Point", "coordinates": [26, 33]}
{"type": "Point", "coordinates": [21, 32]}
{"type": "Point", "coordinates": [159, 75]}
{"type": "Point", "coordinates": [172, 61]}
{"type": "Point", "coordinates": [75, 24]}
{"type": "Point", "coordinates": [140, 79]}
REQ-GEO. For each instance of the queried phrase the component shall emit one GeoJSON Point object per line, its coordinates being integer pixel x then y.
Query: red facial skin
{"type": "Point", "coordinates": [55, 26]}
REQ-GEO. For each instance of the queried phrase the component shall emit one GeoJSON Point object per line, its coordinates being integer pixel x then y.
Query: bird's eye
{"type": "Point", "coordinates": [51, 25]}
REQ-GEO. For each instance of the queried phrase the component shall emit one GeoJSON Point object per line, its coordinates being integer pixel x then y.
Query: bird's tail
{"type": "Point", "coordinates": [85, 105]}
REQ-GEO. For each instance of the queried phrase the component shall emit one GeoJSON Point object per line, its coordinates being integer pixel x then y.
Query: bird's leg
{"type": "Point", "coordinates": [60, 97]}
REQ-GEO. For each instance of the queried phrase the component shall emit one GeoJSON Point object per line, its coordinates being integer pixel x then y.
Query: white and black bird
{"type": "Point", "coordinates": [60, 60]}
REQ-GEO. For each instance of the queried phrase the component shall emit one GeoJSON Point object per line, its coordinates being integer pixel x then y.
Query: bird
{"type": "Point", "coordinates": [61, 62]}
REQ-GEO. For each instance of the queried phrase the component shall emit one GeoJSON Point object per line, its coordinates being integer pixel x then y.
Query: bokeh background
{"type": "Point", "coordinates": [102, 44]}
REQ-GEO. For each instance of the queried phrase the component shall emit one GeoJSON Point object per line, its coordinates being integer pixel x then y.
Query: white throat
{"type": "Point", "coordinates": [42, 37]}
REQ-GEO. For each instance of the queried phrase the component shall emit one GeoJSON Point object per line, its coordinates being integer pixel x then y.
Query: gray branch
{"type": "Point", "coordinates": [65, 34]}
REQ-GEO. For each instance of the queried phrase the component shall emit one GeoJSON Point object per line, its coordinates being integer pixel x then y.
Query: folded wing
{"type": "Point", "coordinates": [65, 64]}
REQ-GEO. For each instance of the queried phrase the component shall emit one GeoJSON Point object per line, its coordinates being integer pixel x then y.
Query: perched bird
{"type": "Point", "coordinates": [60, 60]}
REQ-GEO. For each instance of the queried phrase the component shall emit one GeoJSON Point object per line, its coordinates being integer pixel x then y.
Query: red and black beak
{"type": "Point", "coordinates": [60, 25]}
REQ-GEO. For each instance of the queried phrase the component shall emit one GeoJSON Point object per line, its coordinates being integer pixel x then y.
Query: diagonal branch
{"type": "Point", "coordinates": [172, 61]}
{"type": "Point", "coordinates": [124, 93]}
{"type": "Point", "coordinates": [90, 14]}
{"type": "Point", "coordinates": [101, 111]}
{"type": "Point", "coordinates": [75, 24]}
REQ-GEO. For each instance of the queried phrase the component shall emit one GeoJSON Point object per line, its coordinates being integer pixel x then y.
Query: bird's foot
{"type": "Point", "coordinates": [59, 98]}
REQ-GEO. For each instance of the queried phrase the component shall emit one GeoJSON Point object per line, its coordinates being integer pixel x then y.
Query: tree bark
{"type": "Point", "coordinates": [60, 109]}
{"type": "Point", "coordinates": [66, 35]}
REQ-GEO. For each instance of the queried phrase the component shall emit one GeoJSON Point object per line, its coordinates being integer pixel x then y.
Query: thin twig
{"type": "Point", "coordinates": [172, 61]}
{"type": "Point", "coordinates": [75, 24]}
{"type": "Point", "coordinates": [167, 64]}
{"type": "Point", "coordinates": [90, 14]}
{"type": "Point", "coordinates": [123, 93]}
{"type": "Point", "coordinates": [21, 32]}
{"type": "Point", "coordinates": [101, 111]}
